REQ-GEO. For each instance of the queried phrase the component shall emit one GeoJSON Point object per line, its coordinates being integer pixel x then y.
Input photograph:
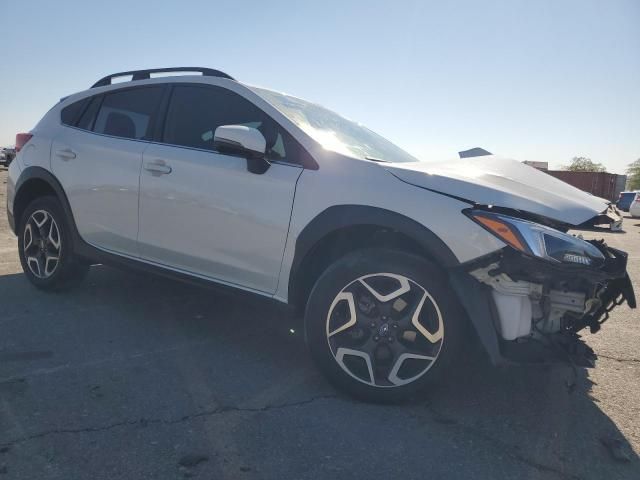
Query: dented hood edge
{"type": "Point", "coordinates": [502, 182]}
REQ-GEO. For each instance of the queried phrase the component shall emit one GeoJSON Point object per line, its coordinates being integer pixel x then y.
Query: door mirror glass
{"type": "Point", "coordinates": [240, 139]}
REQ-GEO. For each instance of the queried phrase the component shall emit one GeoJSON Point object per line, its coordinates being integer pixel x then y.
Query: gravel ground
{"type": "Point", "coordinates": [136, 377]}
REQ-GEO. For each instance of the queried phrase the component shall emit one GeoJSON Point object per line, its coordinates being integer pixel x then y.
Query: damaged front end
{"type": "Point", "coordinates": [610, 219]}
{"type": "Point", "coordinates": [529, 301]}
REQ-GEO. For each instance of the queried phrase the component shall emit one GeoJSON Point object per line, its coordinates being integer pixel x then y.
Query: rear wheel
{"type": "Point", "coordinates": [44, 246]}
{"type": "Point", "coordinates": [382, 324]}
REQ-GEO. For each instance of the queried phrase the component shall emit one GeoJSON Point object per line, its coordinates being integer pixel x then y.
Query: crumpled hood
{"type": "Point", "coordinates": [503, 182]}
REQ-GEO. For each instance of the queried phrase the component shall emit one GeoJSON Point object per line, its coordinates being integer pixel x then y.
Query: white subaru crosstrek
{"type": "Point", "coordinates": [392, 260]}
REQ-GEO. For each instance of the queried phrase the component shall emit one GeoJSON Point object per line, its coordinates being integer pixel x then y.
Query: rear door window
{"type": "Point", "coordinates": [129, 113]}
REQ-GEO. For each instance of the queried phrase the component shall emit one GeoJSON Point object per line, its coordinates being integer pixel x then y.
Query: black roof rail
{"type": "Point", "coordinates": [146, 74]}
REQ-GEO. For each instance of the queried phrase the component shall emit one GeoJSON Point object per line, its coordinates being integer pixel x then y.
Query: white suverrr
{"type": "Point", "coordinates": [235, 204]}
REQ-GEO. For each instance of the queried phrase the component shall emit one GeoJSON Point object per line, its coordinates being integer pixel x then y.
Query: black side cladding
{"type": "Point", "coordinates": [476, 299]}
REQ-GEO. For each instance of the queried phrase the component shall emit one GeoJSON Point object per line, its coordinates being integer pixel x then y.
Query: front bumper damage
{"type": "Point", "coordinates": [610, 218]}
{"type": "Point", "coordinates": [527, 310]}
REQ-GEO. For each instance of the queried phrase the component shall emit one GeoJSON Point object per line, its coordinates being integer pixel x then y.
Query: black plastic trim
{"type": "Point", "coordinates": [11, 220]}
{"type": "Point", "coordinates": [341, 216]}
{"type": "Point", "coordinates": [100, 100]}
{"type": "Point", "coordinates": [146, 74]}
{"type": "Point", "coordinates": [34, 172]}
{"type": "Point", "coordinates": [476, 299]}
{"type": "Point", "coordinates": [96, 255]}
{"type": "Point", "coordinates": [162, 112]}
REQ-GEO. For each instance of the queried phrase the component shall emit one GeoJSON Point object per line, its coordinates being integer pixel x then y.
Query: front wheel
{"type": "Point", "coordinates": [382, 324]}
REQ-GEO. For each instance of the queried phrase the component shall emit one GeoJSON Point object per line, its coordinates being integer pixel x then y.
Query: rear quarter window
{"type": "Point", "coordinates": [88, 116]}
{"type": "Point", "coordinates": [70, 114]}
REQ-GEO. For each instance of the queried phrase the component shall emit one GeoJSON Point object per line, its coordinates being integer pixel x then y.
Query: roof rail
{"type": "Point", "coordinates": [146, 74]}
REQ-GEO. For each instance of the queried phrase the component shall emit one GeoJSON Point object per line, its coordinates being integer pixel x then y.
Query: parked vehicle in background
{"type": "Point", "coordinates": [625, 200]}
{"type": "Point", "coordinates": [634, 208]}
{"type": "Point", "coordinates": [391, 260]}
{"type": "Point", "coordinates": [7, 154]}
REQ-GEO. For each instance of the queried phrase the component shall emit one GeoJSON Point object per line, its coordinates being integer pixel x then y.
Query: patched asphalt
{"type": "Point", "coordinates": [137, 377]}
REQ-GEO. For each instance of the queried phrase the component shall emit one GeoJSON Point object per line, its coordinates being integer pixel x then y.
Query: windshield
{"type": "Point", "coordinates": [334, 132]}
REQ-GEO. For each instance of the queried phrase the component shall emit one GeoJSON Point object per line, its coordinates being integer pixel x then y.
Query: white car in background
{"type": "Point", "coordinates": [634, 208]}
{"type": "Point", "coordinates": [390, 259]}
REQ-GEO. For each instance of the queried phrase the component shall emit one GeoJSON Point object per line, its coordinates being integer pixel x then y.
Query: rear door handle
{"type": "Point", "coordinates": [66, 154]}
{"type": "Point", "coordinates": [157, 167]}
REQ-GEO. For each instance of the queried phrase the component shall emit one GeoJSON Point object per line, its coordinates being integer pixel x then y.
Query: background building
{"type": "Point", "coordinates": [601, 184]}
{"type": "Point", "coordinates": [539, 165]}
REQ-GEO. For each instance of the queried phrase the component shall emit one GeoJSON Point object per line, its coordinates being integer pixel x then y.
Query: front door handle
{"type": "Point", "coordinates": [66, 154]}
{"type": "Point", "coordinates": [158, 167]}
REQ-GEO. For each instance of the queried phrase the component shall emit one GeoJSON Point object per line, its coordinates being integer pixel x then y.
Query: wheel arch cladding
{"type": "Point", "coordinates": [36, 182]}
{"type": "Point", "coordinates": [341, 229]}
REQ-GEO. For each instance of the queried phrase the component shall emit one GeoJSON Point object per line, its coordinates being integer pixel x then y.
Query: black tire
{"type": "Point", "coordinates": [423, 276]}
{"type": "Point", "coordinates": [69, 270]}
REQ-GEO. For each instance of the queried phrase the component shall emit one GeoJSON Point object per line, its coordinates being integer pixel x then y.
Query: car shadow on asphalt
{"type": "Point", "coordinates": [525, 410]}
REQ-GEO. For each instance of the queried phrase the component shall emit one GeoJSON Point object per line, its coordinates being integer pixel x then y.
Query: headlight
{"type": "Point", "coordinates": [539, 241]}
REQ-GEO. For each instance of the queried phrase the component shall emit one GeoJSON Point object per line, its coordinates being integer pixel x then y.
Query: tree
{"type": "Point", "coordinates": [584, 164]}
{"type": "Point", "coordinates": [633, 175]}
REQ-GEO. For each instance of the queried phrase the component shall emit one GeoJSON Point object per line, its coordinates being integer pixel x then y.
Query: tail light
{"type": "Point", "coordinates": [21, 140]}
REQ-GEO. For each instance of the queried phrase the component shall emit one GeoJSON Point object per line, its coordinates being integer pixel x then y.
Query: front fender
{"type": "Point", "coordinates": [342, 216]}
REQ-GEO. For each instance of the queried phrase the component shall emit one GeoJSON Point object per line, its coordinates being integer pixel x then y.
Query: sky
{"type": "Point", "coordinates": [541, 80]}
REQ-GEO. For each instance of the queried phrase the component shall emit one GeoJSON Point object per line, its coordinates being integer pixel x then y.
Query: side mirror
{"type": "Point", "coordinates": [245, 141]}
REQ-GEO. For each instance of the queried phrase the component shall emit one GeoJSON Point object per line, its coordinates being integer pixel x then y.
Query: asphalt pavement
{"type": "Point", "coordinates": [136, 377]}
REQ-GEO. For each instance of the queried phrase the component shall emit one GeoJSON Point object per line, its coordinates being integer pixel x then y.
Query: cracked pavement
{"type": "Point", "coordinates": [128, 375]}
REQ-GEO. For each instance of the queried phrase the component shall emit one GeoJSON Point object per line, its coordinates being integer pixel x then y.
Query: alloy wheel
{"type": "Point", "coordinates": [42, 244]}
{"type": "Point", "coordinates": [385, 330]}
